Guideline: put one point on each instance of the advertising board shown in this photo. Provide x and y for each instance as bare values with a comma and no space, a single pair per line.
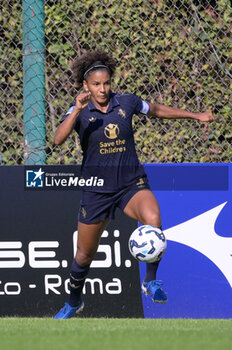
38,236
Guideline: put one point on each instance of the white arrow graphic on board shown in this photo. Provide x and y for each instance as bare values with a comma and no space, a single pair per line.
198,233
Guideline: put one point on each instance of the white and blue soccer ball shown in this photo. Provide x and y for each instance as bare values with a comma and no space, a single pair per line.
147,243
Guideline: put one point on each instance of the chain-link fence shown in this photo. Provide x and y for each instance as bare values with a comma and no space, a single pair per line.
176,53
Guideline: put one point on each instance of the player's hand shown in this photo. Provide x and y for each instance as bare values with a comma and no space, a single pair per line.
205,116
82,100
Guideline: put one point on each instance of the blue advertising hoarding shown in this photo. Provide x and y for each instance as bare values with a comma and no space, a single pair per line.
196,210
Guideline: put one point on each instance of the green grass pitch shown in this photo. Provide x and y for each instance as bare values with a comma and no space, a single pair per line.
110,334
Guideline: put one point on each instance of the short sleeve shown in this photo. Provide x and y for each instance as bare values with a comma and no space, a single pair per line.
141,106
71,108
145,107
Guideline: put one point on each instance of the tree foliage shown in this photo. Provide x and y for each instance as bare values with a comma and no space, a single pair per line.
171,52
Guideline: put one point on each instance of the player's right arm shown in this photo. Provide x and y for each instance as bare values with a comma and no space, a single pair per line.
67,126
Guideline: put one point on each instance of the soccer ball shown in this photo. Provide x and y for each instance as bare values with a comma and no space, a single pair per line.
147,243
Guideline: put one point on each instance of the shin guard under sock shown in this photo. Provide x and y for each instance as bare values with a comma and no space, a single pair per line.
151,269
78,274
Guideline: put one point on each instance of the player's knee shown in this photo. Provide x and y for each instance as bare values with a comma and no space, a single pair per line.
151,218
83,258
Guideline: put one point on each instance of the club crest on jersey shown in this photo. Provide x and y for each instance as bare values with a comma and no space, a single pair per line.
140,183
122,113
83,211
111,131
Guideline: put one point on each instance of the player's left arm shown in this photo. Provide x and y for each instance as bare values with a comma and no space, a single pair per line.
162,111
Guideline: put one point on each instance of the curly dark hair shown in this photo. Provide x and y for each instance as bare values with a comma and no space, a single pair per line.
82,63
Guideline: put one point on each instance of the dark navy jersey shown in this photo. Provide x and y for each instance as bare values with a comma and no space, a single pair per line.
107,142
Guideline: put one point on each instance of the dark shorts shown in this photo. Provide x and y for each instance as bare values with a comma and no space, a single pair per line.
97,206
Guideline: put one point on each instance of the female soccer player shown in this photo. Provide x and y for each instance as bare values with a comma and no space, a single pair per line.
103,120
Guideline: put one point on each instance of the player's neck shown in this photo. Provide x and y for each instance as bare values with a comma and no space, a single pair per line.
103,107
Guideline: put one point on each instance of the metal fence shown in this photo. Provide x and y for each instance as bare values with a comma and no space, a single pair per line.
176,53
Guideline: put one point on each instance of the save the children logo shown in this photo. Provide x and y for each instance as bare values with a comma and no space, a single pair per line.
35,178
111,131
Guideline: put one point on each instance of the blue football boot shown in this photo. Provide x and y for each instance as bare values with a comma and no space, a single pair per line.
153,289
69,311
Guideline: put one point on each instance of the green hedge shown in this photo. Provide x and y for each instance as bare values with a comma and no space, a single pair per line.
170,52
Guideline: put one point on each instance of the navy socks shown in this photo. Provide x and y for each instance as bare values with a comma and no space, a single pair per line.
78,274
151,271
